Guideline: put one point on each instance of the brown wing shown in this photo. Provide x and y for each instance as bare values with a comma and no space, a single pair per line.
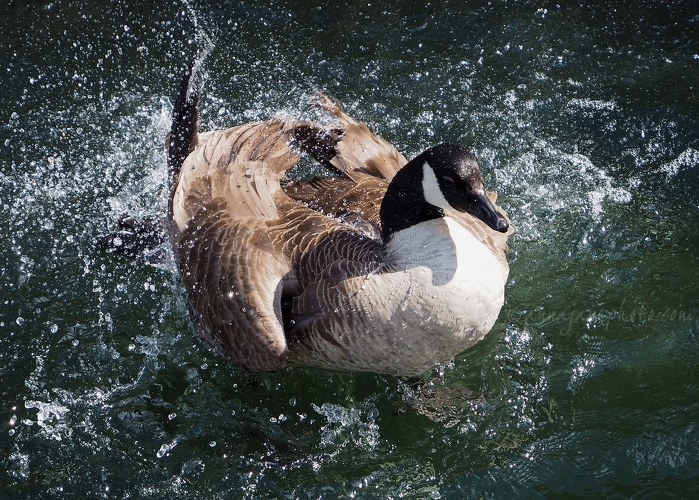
234,281
356,204
233,272
364,164
330,273
359,151
241,165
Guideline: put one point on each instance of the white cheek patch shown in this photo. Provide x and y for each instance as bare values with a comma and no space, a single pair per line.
430,189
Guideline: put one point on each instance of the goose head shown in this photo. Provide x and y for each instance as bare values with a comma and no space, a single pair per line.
445,178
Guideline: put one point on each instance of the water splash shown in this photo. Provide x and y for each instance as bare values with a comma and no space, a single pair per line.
689,158
166,448
353,425
51,419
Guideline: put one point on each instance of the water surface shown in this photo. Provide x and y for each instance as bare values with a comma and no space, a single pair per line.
585,120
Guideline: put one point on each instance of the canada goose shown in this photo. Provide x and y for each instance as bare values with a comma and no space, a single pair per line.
387,266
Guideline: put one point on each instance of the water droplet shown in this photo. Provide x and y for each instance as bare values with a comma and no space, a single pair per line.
53,328
166,448
20,320
172,416
212,444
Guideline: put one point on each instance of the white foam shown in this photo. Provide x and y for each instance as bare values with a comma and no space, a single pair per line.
689,158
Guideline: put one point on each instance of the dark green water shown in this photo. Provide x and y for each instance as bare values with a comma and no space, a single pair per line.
586,121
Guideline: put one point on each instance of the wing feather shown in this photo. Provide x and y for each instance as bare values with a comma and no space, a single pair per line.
359,151
233,272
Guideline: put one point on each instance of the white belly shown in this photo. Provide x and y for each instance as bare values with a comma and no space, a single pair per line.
446,295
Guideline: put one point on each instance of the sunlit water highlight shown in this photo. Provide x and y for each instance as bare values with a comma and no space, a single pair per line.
585,121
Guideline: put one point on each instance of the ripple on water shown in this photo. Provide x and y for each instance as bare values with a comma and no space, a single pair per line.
588,362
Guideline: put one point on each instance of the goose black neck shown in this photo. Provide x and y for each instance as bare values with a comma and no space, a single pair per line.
404,203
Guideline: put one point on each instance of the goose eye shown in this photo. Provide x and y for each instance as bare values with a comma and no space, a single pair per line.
448,181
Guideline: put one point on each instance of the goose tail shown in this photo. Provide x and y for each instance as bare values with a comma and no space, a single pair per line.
183,133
